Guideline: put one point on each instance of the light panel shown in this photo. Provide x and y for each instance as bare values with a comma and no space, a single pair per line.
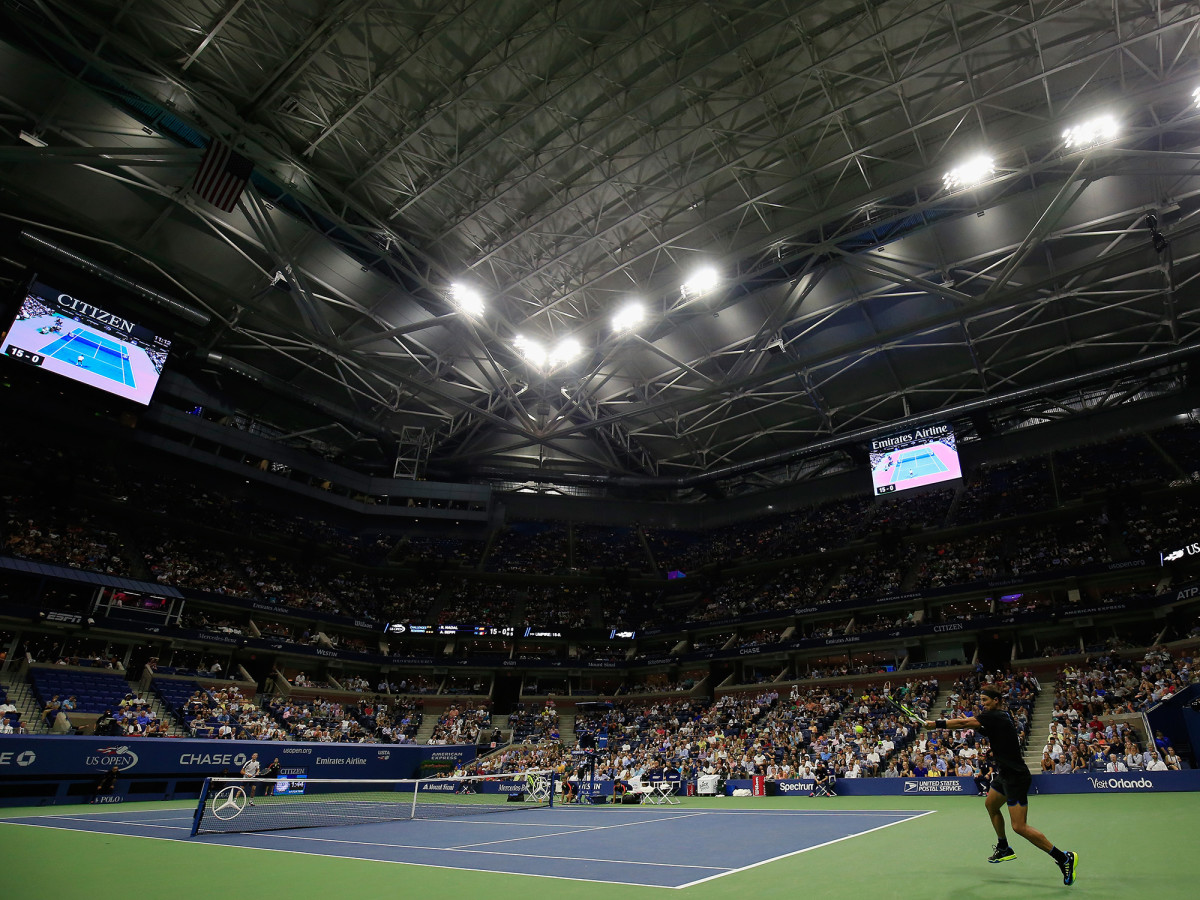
1090,133
703,280
974,171
536,354
628,318
466,299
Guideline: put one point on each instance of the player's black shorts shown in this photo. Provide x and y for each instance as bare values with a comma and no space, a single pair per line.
1014,787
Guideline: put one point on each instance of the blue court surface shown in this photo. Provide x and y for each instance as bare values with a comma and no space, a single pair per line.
673,848
100,355
916,465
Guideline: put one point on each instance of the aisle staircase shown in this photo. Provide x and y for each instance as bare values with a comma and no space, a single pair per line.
1039,727
163,713
425,730
566,730
20,695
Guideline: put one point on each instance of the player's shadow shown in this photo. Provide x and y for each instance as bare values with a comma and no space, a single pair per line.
1027,887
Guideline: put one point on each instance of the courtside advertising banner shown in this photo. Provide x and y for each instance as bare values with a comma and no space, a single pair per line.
1096,783
41,756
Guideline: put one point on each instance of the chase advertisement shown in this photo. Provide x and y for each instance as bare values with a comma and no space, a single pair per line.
43,756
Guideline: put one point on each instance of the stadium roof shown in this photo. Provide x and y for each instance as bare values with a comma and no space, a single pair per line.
561,160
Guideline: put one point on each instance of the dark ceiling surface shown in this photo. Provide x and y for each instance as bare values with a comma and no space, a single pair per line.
562,159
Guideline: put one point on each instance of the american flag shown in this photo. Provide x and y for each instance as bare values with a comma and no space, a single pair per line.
222,176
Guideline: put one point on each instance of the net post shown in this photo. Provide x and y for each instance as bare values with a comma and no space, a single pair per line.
200,806
412,813
553,778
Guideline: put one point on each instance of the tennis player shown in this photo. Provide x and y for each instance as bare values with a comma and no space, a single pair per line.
1011,781
251,770
269,776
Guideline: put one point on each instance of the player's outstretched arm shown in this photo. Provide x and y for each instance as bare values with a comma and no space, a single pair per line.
968,722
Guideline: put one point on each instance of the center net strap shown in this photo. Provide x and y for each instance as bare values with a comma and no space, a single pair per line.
236,805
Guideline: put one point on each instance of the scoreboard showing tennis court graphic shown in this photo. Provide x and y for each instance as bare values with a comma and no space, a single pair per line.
69,336
915,458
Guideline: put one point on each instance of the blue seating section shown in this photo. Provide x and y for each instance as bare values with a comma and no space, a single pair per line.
94,692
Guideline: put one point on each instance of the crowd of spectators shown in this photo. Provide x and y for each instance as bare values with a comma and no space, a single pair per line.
529,547
1113,464
479,603
1091,728
179,562
1003,490
534,723
367,721
568,606
462,725
63,537
609,547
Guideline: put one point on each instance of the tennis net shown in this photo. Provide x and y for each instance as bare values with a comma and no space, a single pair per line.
235,805
87,341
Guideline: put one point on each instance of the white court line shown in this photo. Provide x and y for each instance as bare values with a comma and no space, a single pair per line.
805,850
610,861
466,848
342,856
587,830
108,810
112,822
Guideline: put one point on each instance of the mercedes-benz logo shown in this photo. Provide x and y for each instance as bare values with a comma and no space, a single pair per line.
229,802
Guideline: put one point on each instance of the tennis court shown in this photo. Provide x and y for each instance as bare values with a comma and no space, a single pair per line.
100,355
916,465
718,849
623,845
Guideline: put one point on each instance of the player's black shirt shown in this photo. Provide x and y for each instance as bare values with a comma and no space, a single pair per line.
1000,729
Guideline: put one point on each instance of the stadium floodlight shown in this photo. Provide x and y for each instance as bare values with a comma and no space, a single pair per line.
466,300
974,171
1094,131
535,353
565,351
628,318
702,281
531,351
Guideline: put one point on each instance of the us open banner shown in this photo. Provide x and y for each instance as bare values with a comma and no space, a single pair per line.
68,756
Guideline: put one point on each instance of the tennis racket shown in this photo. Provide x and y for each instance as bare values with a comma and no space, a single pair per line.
896,701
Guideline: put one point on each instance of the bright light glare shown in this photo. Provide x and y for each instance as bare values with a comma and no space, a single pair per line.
466,300
1196,96
628,318
530,350
565,351
970,173
1090,133
702,281
533,352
